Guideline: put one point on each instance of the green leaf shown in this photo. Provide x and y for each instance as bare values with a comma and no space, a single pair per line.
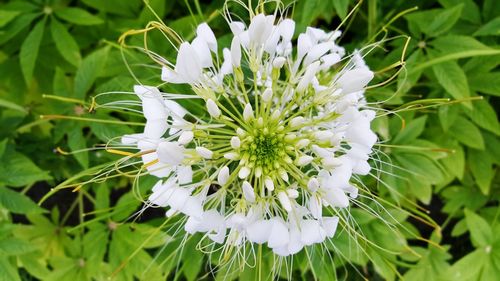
14,247
412,130
65,43
76,141
7,16
453,56
491,28
89,70
444,21
480,231
447,115
8,271
484,116
455,162
11,105
470,12
341,7
482,169
467,133
29,51
17,203
18,170
453,80
457,43
78,16
19,24
488,83
3,146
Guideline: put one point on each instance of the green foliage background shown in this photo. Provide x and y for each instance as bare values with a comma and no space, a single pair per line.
447,153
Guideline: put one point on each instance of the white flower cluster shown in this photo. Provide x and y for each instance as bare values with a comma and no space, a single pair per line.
272,159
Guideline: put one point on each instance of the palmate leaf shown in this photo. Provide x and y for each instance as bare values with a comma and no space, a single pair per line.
16,26
65,43
482,169
29,51
7,16
491,28
467,133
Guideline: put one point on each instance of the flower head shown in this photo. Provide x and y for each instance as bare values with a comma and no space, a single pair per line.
271,161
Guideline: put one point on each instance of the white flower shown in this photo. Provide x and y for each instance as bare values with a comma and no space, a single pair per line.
282,135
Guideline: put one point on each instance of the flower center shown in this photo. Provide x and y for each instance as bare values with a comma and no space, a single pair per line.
264,149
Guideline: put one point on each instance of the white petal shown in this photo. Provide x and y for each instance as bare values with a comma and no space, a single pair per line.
304,160
284,201
311,232
184,174
188,65
323,135
235,142
295,244
171,76
178,198
260,28
287,28
269,183
152,104
204,152
236,52
317,51
259,231
354,80
248,113
307,77
279,62
161,197
175,109
248,192
213,109
131,138
292,193
297,121
279,235
315,207
223,175
313,184
232,156
185,137
192,207
155,129
330,225
236,27
243,173
204,31
336,198
328,60
202,50
170,153
267,95
227,65
304,43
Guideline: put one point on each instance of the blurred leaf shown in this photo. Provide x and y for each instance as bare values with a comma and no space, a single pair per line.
29,51
65,43
78,16
88,72
76,142
470,12
18,170
484,116
412,130
341,7
444,21
488,83
491,28
11,105
8,271
7,16
479,229
17,203
16,27
453,80
457,43
14,247
467,133
447,115
481,166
